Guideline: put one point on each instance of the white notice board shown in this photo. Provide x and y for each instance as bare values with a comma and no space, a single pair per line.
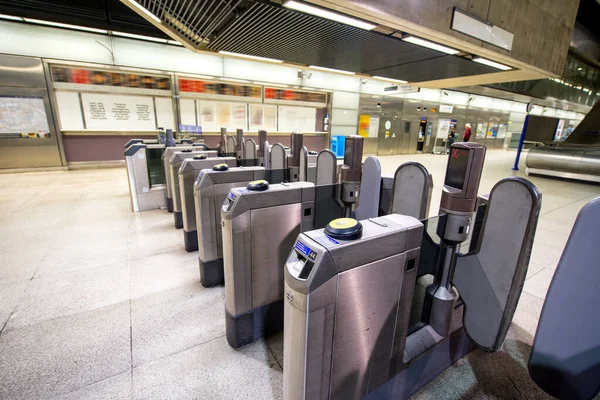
118,112
214,115
299,119
69,110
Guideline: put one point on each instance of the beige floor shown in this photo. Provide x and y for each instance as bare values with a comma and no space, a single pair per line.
97,302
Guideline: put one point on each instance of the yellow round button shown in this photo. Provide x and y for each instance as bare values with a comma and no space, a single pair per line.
343,223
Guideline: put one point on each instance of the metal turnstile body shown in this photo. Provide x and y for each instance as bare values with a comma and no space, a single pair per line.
173,166
147,184
188,173
342,307
358,323
258,229
210,191
168,153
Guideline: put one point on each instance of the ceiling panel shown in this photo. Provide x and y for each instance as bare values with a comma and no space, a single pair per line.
433,69
274,32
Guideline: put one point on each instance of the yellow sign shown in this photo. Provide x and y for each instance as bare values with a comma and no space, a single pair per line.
363,125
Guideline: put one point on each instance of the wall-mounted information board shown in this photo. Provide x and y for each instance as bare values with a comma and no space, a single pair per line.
297,119
263,116
295,97
212,115
118,112
87,76
219,90
23,116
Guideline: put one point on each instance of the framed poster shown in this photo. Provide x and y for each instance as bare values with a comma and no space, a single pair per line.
118,112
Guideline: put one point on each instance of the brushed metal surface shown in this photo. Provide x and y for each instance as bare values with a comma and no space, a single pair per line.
237,263
26,72
207,218
307,352
187,177
326,168
365,318
278,157
220,192
174,164
274,231
570,160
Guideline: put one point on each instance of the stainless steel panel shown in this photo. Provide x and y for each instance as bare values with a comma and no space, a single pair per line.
220,194
411,193
24,72
365,319
307,352
208,221
326,168
274,231
237,260
24,76
278,157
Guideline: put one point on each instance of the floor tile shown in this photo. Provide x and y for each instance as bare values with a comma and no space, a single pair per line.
162,272
212,370
11,295
72,292
176,320
538,284
60,355
114,388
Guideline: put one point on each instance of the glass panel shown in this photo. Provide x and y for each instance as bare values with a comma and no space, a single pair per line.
156,170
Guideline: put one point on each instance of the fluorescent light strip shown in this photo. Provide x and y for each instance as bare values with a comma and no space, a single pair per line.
339,71
141,37
11,17
229,53
269,84
383,78
68,26
323,13
491,63
143,10
175,42
429,45
234,80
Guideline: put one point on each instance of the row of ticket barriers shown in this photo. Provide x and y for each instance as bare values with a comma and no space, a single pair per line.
374,298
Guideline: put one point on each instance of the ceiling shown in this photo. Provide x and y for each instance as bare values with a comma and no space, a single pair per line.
99,14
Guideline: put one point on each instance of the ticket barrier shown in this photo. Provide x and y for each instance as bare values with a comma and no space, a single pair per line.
173,165
212,187
183,202
356,326
146,173
260,224
166,157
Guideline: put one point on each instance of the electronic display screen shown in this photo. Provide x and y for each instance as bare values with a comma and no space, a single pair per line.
457,168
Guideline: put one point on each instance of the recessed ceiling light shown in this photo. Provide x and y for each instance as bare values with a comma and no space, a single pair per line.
491,63
383,78
429,45
68,26
323,13
339,71
229,53
142,9
140,37
579,69
10,17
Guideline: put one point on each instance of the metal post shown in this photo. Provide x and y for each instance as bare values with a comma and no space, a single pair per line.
521,140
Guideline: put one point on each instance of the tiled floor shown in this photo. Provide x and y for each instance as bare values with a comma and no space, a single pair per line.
97,302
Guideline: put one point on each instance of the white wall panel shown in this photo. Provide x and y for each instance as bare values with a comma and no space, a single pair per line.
457,98
425,94
374,86
326,80
137,53
344,130
345,100
39,41
344,117
260,71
